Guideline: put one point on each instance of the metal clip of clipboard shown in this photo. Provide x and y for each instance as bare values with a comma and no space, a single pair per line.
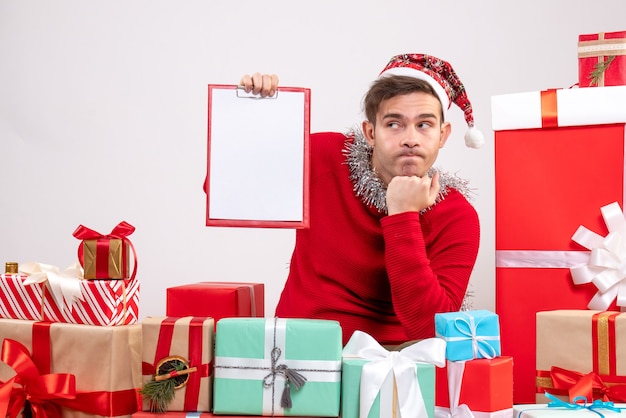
241,93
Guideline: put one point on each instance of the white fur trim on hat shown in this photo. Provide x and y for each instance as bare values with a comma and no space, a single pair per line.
412,72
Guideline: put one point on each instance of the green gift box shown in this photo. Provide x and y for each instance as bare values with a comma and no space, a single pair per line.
379,383
277,367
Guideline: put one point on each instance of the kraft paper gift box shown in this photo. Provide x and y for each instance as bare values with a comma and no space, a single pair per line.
469,334
581,352
542,142
379,383
263,365
602,59
216,299
179,344
106,256
43,292
484,386
102,364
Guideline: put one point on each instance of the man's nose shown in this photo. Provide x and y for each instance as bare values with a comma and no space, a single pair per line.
411,138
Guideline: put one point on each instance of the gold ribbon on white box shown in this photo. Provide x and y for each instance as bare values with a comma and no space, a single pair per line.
63,285
399,364
606,264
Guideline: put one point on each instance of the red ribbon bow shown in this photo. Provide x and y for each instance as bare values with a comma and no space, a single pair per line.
589,385
121,231
41,391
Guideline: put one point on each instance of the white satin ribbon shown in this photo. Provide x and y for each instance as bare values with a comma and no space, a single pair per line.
606,264
401,364
540,259
63,285
455,380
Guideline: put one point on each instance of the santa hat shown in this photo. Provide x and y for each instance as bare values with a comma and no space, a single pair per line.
440,75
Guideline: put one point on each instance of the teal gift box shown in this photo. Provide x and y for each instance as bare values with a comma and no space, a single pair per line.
379,383
469,334
277,367
351,381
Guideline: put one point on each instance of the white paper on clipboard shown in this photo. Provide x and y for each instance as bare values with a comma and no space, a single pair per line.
257,160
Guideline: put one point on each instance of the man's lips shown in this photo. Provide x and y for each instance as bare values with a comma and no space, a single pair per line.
409,155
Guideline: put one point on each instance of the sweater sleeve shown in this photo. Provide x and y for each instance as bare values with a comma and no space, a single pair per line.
431,275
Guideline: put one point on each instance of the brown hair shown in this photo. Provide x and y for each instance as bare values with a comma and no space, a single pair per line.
391,86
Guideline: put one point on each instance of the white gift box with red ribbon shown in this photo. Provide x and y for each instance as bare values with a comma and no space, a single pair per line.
559,107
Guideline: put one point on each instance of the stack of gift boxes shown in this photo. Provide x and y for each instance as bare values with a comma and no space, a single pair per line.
561,235
215,354
71,344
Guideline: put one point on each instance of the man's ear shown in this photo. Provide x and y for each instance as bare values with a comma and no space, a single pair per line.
446,130
368,131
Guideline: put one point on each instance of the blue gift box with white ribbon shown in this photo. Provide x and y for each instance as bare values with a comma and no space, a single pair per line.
469,334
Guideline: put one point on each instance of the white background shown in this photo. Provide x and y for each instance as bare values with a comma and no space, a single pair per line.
103,111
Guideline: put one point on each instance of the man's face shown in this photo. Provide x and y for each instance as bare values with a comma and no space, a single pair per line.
407,135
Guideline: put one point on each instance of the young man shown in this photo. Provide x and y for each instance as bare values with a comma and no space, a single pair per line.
392,241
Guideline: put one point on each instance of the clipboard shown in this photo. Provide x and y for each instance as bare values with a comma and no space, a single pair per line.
258,158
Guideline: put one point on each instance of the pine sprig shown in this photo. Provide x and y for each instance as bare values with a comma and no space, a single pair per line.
161,392
599,69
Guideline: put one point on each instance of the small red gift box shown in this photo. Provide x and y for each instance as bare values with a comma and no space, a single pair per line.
106,256
602,59
542,142
216,300
487,385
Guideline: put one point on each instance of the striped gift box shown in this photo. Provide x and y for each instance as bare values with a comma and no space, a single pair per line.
101,302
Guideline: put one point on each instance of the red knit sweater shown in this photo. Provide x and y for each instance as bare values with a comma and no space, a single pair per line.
384,275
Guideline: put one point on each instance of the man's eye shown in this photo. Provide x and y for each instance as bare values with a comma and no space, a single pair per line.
393,125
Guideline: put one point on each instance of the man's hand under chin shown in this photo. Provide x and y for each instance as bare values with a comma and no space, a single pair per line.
411,193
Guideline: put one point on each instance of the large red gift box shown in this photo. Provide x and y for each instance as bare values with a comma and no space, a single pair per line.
559,157
102,302
602,59
216,300
169,342
487,386
83,370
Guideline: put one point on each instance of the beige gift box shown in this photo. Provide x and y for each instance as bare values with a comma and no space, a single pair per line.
105,361
579,342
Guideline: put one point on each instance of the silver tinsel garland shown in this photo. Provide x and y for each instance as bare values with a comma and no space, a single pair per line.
370,188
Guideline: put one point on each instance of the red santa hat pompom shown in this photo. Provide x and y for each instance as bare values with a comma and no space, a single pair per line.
444,81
